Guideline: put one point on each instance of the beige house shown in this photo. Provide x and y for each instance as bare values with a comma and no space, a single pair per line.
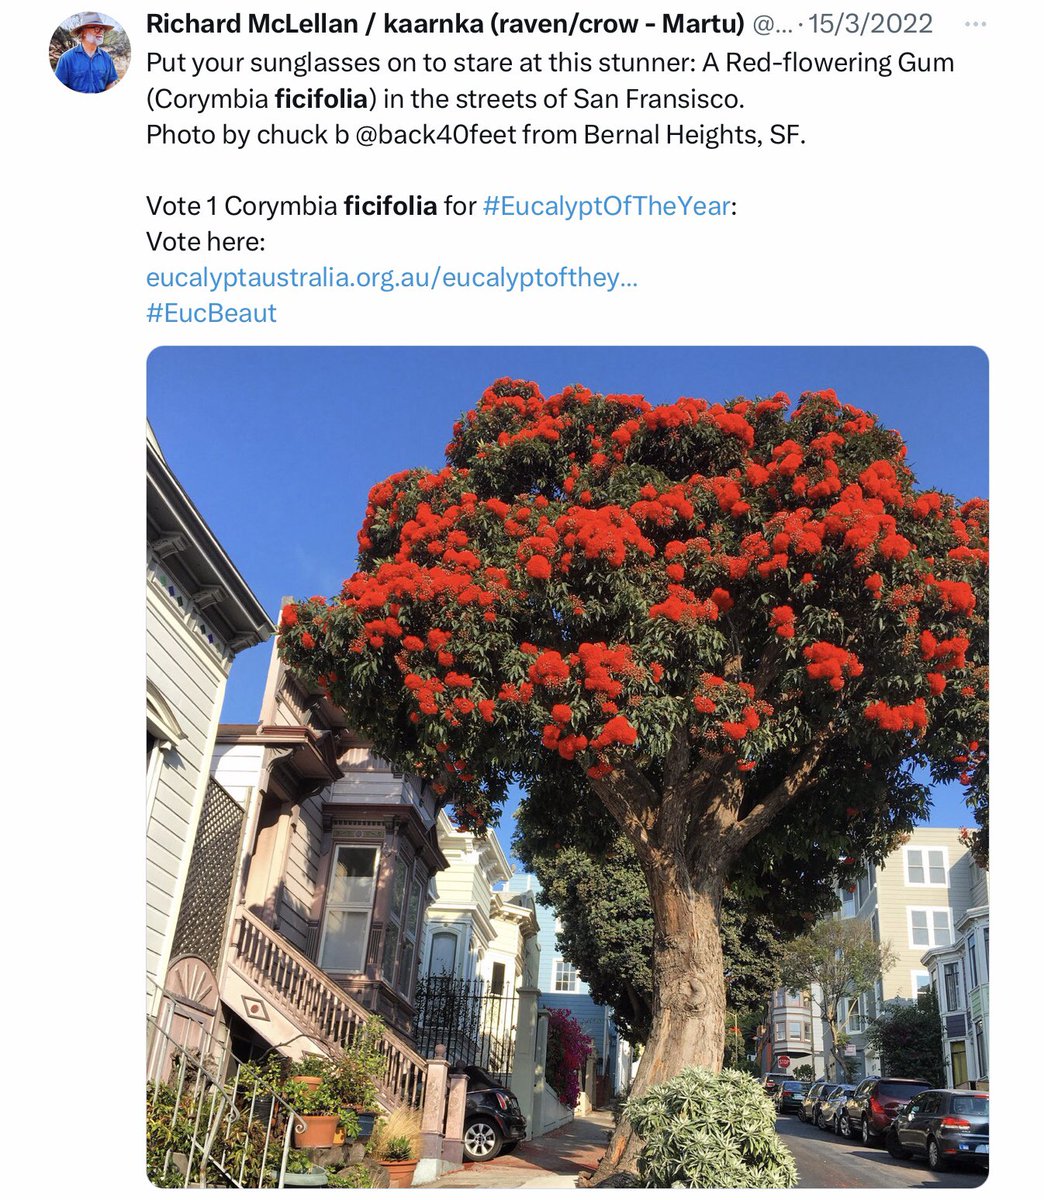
199,614
916,901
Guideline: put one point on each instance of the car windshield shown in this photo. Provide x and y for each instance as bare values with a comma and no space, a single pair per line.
793,1085
971,1106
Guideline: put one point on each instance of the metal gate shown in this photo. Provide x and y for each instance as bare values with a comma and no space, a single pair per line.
475,1024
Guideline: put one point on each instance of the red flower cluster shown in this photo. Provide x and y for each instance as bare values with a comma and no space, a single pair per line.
902,717
781,621
832,664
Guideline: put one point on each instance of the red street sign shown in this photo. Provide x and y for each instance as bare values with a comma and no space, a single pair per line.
784,1061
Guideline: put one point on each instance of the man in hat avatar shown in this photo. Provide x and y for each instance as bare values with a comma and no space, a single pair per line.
87,67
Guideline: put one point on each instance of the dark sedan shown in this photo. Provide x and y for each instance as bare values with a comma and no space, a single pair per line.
790,1095
493,1120
944,1125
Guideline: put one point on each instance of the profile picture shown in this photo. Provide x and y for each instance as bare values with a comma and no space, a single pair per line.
90,52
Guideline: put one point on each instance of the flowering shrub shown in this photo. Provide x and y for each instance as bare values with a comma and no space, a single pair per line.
568,1049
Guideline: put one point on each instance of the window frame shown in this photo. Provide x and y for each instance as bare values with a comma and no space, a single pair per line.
557,962
926,866
358,907
930,911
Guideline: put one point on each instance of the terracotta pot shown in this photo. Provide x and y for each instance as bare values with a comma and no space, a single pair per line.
312,1131
400,1171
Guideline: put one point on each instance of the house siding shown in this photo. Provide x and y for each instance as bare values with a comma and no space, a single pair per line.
191,677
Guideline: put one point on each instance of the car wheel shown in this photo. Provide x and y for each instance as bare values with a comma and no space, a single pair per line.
482,1140
894,1146
935,1158
868,1136
801,1115
820,1123
844,1126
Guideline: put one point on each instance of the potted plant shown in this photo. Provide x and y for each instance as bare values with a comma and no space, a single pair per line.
352,1074
400,1161
395,1144
320,1114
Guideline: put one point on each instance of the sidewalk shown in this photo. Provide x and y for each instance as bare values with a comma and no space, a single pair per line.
551,1161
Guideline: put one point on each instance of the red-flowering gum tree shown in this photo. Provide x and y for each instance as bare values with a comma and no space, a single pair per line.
733,627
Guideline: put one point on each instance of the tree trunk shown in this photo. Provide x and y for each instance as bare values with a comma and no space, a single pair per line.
688,992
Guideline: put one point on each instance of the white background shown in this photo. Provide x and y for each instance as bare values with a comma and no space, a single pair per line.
909,217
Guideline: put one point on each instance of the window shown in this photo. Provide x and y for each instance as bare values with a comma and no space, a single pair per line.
959,1063
806,1031
566,978
349,901
973,960
926,866
920,981
496,980
781,1031
929,926
980,1049
794,1030
401,929
875,928
952,986
443,959
793,998
986,948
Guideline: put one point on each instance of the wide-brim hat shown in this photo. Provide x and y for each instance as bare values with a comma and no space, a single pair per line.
91,18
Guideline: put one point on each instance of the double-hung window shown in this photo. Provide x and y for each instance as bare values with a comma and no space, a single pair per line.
929,927
402,927
349,905
926,866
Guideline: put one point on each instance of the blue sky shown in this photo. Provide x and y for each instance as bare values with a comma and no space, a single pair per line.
279,446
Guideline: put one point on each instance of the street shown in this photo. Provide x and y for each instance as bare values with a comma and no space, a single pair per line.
825,1160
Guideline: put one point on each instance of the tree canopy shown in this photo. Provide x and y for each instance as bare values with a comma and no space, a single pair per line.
589,575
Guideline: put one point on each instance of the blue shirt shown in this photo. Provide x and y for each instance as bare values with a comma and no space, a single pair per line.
84,72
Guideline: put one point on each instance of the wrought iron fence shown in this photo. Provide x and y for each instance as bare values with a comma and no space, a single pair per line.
476,1024
210,1121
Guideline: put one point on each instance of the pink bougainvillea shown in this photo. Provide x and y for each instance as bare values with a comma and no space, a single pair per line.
568,1049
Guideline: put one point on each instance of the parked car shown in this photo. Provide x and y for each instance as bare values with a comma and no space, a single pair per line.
772,1080
832,1104
870,1109
493,1120
809,1110
945,1125
789,1095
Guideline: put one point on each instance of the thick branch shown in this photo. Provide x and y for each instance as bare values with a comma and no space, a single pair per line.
764,813
631,801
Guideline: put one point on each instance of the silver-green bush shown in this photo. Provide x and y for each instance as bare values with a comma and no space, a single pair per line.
709,1130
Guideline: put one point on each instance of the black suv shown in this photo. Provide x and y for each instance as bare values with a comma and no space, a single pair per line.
868,1112
493,1120
944,1125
